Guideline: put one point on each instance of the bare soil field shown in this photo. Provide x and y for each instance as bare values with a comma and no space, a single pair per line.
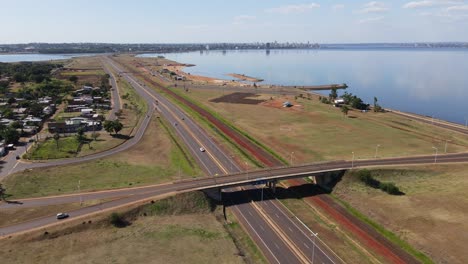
430,216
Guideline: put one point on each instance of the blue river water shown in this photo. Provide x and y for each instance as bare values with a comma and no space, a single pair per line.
432,82
38,57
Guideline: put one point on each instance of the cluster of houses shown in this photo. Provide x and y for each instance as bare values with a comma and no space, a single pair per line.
28,122
73,124
85,102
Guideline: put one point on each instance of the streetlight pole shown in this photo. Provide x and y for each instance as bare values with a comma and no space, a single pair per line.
232,169
446,142
79,191
313,247
247,165
376,149
436,151
291,158
352,161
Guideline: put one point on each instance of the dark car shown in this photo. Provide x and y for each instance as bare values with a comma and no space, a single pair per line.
17,157
62,215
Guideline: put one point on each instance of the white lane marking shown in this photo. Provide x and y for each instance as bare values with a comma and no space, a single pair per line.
250,213
277,216
262,228
13,168
306,246
276,245
253,229
301,230
290,229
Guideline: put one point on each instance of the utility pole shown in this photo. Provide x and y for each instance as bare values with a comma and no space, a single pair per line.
291,158
376,149
79,191
435,157
446,142
313,248
352,161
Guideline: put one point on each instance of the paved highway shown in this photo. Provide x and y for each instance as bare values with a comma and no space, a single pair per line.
251,214
276,247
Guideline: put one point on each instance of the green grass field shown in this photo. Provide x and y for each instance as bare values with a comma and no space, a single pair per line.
67,148
317,132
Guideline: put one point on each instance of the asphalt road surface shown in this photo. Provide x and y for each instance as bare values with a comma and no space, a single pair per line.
281,239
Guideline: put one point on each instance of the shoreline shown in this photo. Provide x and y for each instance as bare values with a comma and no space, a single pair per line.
244,77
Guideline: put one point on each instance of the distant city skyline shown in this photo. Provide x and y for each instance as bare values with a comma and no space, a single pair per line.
320,21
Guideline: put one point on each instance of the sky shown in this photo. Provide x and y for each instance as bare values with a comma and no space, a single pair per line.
205,21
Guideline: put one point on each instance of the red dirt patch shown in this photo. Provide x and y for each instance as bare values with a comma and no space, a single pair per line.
279,103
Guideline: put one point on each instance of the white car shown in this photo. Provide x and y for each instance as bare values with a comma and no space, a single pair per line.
202,149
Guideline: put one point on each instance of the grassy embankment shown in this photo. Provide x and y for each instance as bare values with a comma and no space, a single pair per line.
181,229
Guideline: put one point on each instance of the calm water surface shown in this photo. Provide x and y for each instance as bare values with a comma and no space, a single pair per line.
431,82
37,57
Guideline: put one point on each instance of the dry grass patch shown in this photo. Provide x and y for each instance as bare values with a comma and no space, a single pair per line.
430,216
184,237
316,131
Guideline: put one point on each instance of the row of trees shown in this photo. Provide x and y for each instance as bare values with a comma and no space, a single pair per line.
350,100
28,71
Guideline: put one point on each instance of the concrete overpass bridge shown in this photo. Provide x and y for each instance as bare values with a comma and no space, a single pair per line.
318,172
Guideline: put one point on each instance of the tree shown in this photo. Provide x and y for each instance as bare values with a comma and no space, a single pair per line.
10,135
108,126
113,126
56,138
345,110
73,79
377,107
117,126
80,136
2,192
36,109
333,94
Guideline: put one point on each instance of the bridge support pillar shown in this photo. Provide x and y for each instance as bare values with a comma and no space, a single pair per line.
272,186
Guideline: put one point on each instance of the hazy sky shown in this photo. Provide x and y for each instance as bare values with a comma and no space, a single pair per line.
146,21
